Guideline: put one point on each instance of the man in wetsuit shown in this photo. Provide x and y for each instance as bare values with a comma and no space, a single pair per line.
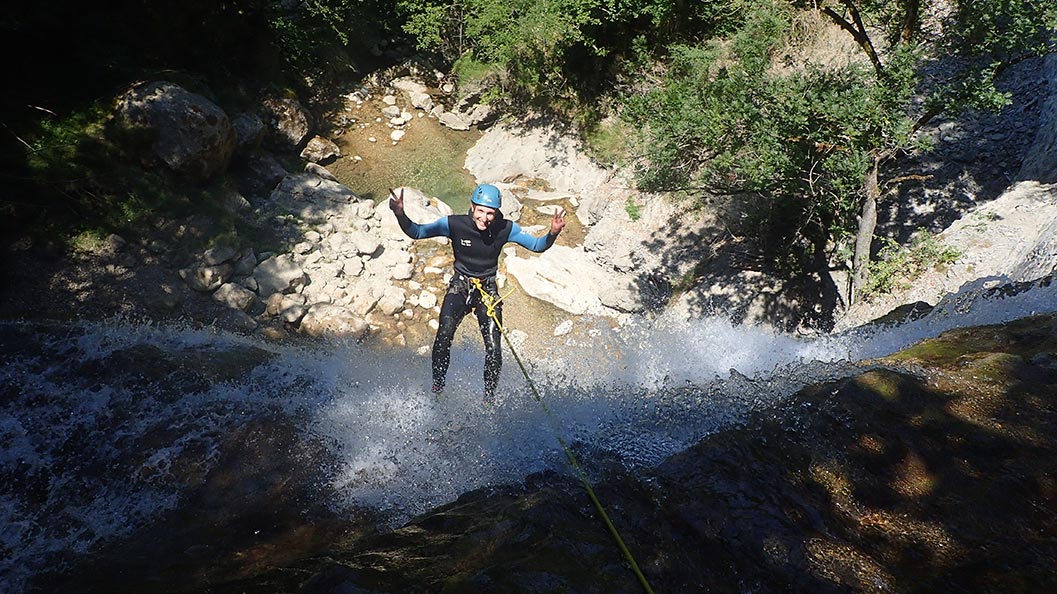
476,240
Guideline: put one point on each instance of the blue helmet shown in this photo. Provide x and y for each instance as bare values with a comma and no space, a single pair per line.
486,195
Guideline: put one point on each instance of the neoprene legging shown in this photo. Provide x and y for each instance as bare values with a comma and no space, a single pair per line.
458,302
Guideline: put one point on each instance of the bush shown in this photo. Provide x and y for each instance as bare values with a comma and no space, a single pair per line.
897,266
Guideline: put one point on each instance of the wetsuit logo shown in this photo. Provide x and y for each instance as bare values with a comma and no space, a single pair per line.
466,242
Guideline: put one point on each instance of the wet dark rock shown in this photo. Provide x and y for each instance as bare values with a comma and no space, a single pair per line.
904,313
936,480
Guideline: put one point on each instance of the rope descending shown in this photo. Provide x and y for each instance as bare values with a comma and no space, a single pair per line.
490,303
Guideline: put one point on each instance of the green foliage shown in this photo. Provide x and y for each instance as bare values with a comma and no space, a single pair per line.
472,74
549,48
307,34
733,116
725,122
607,140
633,208
897,265
86,179
984,37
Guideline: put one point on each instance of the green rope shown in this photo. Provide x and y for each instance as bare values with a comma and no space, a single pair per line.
491,304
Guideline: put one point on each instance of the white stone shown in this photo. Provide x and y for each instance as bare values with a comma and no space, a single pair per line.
563,328
325,319
402,271
570,279
392,301
353,266
279,274
234,296
427,300
517,338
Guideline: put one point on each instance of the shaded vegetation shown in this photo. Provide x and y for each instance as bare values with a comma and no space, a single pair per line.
65,169
720,97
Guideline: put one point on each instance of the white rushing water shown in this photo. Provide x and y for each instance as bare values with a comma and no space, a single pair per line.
92,447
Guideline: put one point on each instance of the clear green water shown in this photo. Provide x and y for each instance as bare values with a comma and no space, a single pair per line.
429,158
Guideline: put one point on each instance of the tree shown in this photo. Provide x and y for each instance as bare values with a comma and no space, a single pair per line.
738,114
550,49
727,121
980,39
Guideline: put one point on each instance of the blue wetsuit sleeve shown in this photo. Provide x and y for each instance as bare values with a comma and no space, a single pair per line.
413,230
536,244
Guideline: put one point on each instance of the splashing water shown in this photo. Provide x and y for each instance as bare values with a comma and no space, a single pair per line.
105,425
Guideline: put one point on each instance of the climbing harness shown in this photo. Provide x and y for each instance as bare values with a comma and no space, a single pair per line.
490,303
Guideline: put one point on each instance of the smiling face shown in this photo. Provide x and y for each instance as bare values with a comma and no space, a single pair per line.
482,216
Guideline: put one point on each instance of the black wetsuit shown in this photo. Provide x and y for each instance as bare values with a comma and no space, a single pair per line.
476,257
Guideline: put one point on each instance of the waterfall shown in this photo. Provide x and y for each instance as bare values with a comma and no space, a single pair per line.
105,425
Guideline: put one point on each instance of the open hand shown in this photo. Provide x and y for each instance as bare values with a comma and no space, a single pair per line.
558,221
396,203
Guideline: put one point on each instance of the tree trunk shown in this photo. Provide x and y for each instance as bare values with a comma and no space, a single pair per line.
864,237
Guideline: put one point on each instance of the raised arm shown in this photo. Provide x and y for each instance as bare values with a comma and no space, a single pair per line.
539,244
410,228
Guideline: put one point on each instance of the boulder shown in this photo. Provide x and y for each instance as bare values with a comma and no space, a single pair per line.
310,197
287,123
421,101
364,244
205,279
235,296
192,136
244,265
320,150
455,121
277,303
409,85
427,300
279,274
219,255
364,302
249,133
262,172
319,170
571,279
549,154
293,314
402,271
392,300
325,319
